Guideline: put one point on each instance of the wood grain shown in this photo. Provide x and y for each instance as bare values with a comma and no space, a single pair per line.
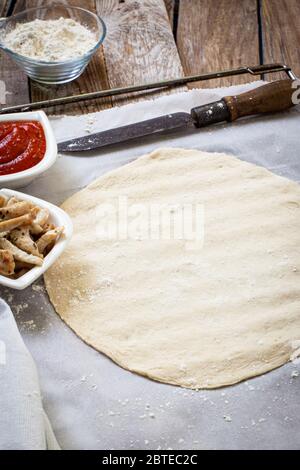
13,83
170,10
218,35
4,6
94,78
281,32
271,98
139,47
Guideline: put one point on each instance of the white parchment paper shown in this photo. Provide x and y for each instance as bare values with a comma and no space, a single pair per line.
93,403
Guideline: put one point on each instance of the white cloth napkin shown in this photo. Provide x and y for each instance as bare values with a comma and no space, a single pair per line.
23,422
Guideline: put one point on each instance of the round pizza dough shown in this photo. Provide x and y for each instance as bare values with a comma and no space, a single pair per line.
198,315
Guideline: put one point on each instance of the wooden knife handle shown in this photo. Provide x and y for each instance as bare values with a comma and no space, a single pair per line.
270,98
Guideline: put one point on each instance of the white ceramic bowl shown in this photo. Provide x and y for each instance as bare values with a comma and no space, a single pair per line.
57,217
22,178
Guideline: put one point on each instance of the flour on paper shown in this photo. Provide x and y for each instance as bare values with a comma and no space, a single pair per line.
201,318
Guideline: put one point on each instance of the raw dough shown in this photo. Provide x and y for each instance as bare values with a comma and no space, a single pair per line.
199,318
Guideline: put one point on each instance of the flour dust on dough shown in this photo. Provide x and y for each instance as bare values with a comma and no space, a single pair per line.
198,318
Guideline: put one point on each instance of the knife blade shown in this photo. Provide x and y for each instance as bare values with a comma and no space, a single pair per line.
209,114
126,133
273,97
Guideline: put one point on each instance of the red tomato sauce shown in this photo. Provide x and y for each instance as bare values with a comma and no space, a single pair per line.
22,145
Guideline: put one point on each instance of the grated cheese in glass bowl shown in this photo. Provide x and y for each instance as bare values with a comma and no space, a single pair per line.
52,44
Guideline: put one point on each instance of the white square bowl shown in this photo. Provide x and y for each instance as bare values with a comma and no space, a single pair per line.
57,217
22,178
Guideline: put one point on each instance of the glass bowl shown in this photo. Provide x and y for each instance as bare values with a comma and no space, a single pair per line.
54,72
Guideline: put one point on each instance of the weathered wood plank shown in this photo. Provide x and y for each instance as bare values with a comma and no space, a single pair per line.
219,35
13,83
94,78
4,7
281,32
139,47
170,10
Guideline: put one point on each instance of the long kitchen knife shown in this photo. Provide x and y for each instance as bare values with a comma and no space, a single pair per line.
273,97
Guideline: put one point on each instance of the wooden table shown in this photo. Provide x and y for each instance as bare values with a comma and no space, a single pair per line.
149,40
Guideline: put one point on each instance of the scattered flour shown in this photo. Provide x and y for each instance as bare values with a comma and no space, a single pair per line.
295,356
90,121
227,418
38,288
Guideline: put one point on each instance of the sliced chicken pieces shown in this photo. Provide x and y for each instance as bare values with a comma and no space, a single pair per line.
7,263
22,239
